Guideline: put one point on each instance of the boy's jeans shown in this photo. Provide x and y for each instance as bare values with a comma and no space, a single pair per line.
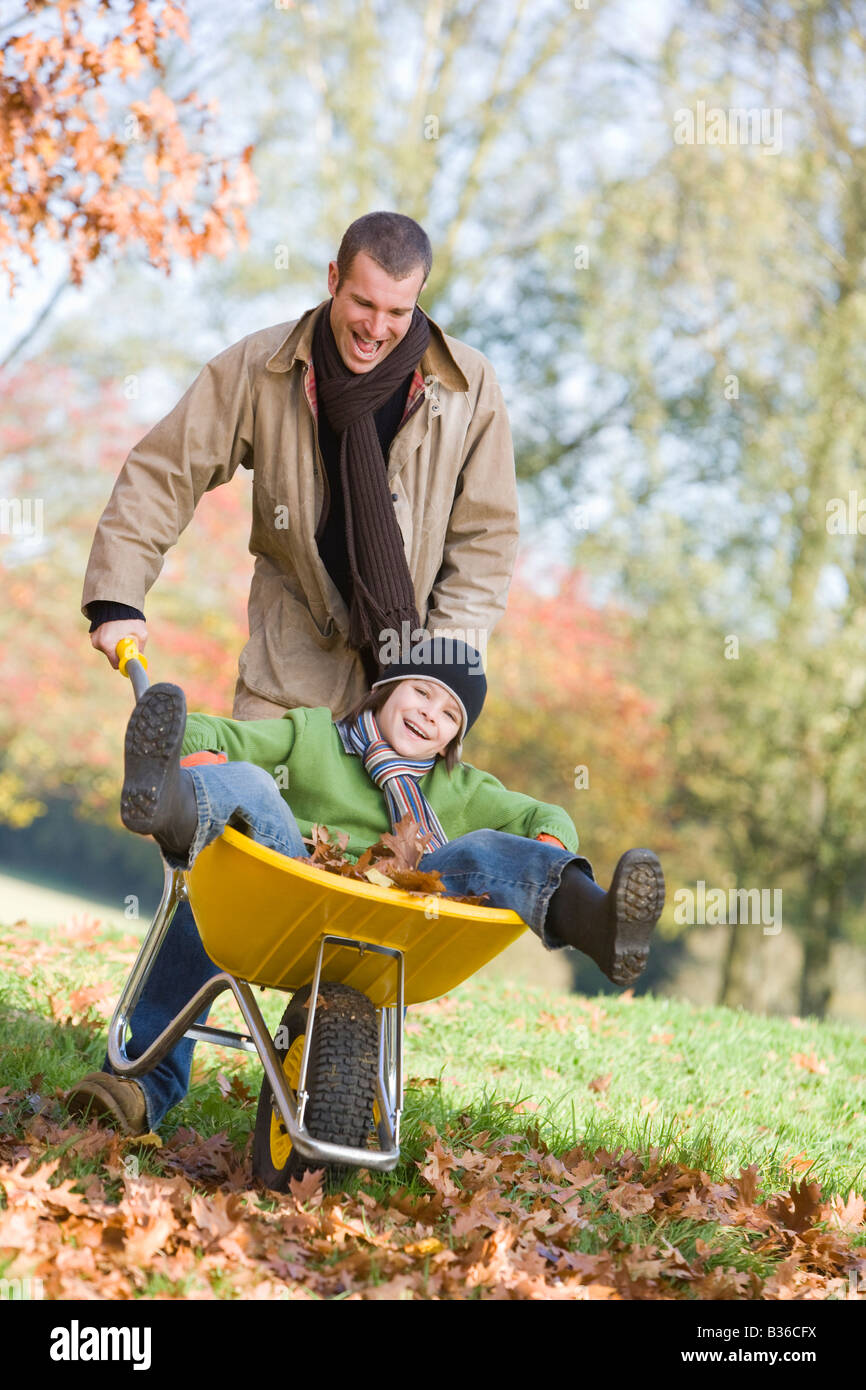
516,872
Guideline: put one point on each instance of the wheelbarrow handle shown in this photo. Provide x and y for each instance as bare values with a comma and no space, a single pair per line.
133,664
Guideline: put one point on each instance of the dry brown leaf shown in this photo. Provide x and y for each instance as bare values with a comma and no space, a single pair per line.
143,1141
405,844
600,1083
824,1251
629,1199
779,1285
747,1185
218,1215
851,1215
559,1023
810,1062
798,1163
308,1188
143,1242
420,1249
436,1172
694,1208
376,876
236,1090
723,1284
799,1209
83,999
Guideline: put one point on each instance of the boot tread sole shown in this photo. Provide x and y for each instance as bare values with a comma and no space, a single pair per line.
152,747
638,894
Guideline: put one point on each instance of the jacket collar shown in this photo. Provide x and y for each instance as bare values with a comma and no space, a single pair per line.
341,726
297,346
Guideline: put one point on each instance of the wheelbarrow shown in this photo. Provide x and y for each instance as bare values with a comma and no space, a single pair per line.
352,955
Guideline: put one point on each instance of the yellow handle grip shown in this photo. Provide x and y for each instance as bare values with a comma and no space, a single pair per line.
127,650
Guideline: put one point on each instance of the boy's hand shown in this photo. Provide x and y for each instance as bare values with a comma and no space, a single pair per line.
106,637
550,839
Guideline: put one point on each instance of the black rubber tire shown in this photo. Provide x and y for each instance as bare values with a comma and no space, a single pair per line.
341,1079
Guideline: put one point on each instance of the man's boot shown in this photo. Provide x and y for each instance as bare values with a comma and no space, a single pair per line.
612,928
158,796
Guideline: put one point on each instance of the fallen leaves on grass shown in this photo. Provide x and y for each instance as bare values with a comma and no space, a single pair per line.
496,1219
84,1008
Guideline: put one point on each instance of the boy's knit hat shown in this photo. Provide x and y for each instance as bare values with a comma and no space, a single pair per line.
450,663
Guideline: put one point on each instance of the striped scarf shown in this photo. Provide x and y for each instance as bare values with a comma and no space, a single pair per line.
397,776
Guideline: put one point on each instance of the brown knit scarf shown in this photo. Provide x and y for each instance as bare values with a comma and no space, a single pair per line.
382,592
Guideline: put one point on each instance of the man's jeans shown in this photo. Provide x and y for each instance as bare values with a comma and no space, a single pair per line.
516,872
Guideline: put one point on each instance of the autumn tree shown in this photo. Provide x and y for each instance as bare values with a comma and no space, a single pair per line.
62,714
95,154
728,290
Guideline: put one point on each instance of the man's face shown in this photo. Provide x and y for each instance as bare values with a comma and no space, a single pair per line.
371,312
419,718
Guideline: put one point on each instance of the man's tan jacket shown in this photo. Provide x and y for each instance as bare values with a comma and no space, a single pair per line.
450,471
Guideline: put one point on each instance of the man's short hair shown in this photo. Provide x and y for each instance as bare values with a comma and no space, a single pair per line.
393,241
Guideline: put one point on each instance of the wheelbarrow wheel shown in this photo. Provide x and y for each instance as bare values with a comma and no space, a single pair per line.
341,1081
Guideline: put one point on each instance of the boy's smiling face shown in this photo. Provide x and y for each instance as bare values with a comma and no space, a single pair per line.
419,718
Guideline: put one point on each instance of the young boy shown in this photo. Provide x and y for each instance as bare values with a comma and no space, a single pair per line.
399,750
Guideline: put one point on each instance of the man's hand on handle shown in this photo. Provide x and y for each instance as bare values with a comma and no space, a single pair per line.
106,637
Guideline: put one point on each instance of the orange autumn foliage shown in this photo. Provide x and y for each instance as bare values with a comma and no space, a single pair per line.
85,170
62,709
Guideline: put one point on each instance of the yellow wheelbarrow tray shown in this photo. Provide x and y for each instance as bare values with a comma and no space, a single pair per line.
270,921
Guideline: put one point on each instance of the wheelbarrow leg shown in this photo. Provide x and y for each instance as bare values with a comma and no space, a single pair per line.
171,967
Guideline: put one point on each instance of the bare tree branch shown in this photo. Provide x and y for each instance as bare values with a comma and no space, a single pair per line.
37,323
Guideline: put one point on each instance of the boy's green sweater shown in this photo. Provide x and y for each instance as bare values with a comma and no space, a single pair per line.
325,785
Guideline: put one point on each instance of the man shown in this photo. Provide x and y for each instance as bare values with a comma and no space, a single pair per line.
384,504
384,493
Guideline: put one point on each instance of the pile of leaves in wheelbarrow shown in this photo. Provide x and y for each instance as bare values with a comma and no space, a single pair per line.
392,862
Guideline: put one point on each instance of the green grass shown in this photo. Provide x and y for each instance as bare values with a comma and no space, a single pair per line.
717,1089
712,1088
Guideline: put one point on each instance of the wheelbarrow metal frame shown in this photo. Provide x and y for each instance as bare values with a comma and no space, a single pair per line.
291,1107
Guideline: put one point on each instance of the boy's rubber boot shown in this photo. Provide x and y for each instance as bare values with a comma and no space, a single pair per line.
119,1098
158,796
612,928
